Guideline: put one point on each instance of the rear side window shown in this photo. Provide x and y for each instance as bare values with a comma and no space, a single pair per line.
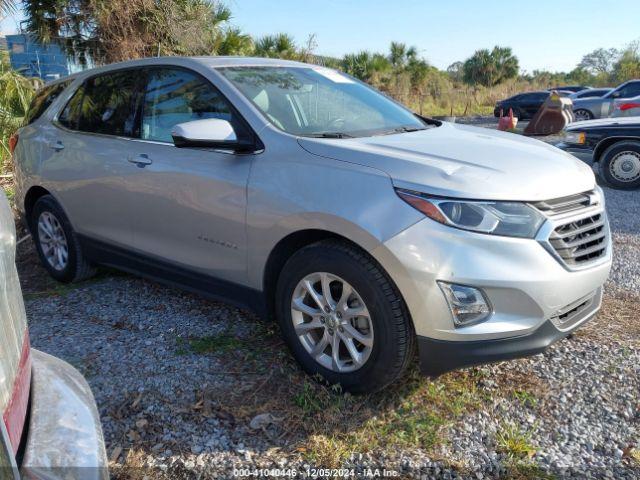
174,96
539,97
106,104
43,99
630,90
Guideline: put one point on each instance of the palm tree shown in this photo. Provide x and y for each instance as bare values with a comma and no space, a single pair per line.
7,7
280,45
16,93
365,65
233,42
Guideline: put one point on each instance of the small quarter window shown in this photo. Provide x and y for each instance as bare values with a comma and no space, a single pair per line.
43,100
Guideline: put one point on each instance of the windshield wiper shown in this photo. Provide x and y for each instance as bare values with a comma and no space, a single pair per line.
329,135
401,129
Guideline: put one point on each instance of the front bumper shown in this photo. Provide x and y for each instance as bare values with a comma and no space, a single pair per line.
65,437
438,356
526,284
584,154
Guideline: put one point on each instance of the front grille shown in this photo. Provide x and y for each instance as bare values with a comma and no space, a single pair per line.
559,206
582,240
579,228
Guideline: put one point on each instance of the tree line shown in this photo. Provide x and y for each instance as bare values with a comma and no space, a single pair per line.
105,31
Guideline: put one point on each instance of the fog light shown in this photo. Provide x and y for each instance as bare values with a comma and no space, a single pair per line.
467,304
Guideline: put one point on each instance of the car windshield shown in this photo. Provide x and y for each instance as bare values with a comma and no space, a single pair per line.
320,102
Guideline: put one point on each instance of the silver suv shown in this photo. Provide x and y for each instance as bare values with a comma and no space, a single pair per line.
295,190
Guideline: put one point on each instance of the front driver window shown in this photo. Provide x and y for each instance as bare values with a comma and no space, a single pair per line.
176,96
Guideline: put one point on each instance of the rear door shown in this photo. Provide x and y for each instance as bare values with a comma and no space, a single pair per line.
15,367
628,90
85,158
190,205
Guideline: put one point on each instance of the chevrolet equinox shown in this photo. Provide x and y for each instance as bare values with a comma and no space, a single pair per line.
295,190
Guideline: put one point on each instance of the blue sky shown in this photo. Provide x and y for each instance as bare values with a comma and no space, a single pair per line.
544,34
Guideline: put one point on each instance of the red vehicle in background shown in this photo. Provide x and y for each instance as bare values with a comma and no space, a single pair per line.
50,426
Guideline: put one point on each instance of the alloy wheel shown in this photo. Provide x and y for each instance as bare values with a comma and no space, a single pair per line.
332,322
53,241
582,115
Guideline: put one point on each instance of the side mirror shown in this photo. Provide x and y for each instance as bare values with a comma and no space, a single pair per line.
615,95
207,133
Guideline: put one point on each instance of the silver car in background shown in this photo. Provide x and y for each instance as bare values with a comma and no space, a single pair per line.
590,92
300,192
602,107
51,425
626,107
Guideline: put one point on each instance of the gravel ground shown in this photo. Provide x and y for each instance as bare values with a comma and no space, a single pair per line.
189,388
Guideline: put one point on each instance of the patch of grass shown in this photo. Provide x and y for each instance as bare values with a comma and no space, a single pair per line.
307,400
411,415
221,343
526,398
514,442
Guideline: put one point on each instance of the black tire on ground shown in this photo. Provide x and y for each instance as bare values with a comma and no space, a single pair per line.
607,163
78,268
583,113
394,336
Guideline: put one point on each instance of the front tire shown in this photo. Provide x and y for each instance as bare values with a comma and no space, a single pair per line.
57,243
620,165
343,318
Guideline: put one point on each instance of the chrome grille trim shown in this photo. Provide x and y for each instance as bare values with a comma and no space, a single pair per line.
562,205
576,232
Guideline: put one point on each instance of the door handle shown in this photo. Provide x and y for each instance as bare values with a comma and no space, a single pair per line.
141,160
57,146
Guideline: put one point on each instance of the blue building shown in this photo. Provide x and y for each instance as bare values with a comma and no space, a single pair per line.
34,59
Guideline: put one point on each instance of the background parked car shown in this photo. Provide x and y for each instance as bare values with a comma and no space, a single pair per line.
525,105
626,107
590,108
51,426
612,143
570,88
590,92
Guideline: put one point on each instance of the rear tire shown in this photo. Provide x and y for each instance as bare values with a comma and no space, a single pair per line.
582,115
620,165
56,242
383,325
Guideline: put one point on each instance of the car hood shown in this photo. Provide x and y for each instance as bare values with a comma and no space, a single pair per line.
466,162
604,122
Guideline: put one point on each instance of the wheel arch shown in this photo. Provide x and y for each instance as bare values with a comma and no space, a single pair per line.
606,143
292,243
31,197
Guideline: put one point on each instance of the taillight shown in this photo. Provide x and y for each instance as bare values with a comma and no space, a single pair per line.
13,142
15,413
628,106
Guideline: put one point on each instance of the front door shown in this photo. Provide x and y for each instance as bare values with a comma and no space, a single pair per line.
190,204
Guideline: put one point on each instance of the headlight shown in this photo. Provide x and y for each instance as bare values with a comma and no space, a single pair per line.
511,219
578,138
